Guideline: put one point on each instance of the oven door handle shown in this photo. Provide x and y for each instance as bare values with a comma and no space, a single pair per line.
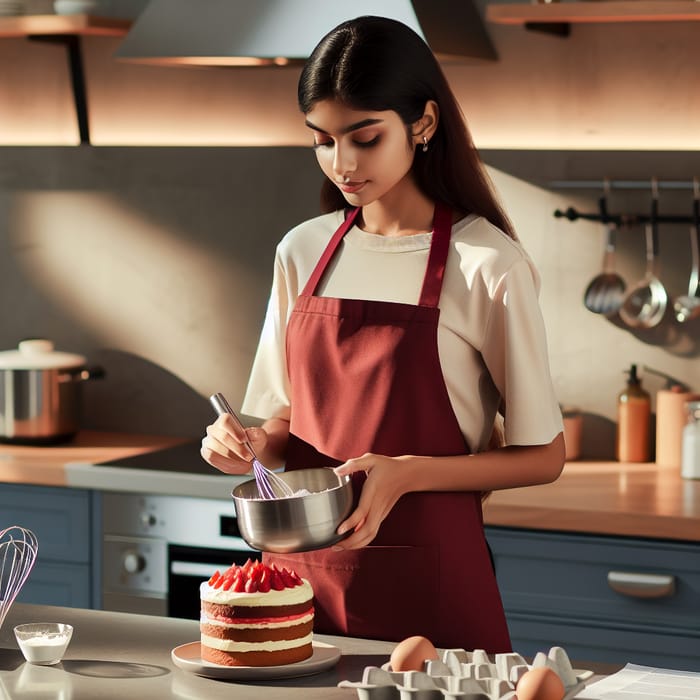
188,568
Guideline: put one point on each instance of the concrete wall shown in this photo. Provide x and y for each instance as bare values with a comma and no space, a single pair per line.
154,263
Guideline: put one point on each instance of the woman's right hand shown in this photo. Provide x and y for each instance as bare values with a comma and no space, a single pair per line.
223,446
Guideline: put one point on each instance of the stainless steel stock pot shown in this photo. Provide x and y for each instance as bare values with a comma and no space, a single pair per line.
41,393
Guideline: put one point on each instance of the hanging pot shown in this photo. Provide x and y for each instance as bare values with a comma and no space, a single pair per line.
41,393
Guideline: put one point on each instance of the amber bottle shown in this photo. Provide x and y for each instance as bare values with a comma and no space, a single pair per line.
633,421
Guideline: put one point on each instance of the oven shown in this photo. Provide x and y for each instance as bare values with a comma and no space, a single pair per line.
156,548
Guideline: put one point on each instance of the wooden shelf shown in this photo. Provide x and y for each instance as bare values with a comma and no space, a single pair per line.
67,31
78,25
594,12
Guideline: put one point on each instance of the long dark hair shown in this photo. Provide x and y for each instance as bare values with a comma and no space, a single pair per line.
378,64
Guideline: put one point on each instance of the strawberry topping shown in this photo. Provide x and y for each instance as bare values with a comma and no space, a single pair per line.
254,576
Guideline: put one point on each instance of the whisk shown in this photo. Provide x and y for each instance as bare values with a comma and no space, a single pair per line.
269,484
18,548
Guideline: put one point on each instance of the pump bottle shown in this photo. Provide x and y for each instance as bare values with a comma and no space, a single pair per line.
633,421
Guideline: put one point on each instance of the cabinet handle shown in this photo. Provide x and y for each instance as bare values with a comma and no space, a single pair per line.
642,585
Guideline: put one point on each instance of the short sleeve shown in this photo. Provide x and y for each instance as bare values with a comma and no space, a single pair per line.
515,353
267,394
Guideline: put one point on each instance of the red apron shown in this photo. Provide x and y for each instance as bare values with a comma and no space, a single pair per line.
365,376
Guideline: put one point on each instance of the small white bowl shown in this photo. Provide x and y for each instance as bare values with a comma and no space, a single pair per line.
43,643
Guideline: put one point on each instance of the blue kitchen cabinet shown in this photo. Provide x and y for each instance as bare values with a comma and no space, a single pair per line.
66,524
588,594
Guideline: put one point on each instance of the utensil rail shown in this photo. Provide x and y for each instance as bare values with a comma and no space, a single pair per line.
622,220
628,220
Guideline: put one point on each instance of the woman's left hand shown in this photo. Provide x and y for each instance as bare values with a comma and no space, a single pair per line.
386,482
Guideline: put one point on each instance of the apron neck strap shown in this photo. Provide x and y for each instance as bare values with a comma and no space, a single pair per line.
437,259
328,253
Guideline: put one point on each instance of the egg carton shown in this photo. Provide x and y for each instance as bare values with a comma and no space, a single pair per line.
465,675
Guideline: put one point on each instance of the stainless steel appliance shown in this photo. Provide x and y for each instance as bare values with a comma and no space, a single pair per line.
157,549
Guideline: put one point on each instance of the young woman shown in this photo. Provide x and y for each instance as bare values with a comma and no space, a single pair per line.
402,323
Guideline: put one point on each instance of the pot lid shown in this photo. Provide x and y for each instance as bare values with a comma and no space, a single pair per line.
39,354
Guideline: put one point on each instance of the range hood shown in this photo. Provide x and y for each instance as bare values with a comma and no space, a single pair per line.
283,32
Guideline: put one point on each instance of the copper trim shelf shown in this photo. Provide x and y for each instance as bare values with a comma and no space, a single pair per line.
594,12
80,25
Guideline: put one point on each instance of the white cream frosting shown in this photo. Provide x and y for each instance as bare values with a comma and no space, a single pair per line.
228,645
287,596
259,625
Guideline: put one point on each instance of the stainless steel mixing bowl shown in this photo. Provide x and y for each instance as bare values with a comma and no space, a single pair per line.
297,523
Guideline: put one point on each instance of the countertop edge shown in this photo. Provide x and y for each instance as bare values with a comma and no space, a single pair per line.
615,524
86,476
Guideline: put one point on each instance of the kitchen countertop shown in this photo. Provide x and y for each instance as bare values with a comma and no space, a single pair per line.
121,655
611,498
73,465
46,465
608,498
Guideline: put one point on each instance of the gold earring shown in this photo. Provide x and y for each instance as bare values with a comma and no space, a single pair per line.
425,144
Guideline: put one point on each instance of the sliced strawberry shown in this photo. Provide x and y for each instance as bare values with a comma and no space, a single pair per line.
288,578
239,584
256,573
251,586
276,580
248,565
264,583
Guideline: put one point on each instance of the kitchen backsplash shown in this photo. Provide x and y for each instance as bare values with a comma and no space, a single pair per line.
156,263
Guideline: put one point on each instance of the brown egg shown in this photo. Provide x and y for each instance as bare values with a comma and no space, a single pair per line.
410,654
540,684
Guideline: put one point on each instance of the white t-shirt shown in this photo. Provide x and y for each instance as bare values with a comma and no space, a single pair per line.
491,337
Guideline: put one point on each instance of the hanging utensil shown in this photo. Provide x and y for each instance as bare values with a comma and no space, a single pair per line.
645,304
269,484
687,307
18,548
606,291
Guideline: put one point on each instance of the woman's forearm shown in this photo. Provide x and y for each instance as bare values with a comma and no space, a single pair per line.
502,468
389,478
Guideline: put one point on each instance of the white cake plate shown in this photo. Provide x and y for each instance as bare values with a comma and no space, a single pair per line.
189,658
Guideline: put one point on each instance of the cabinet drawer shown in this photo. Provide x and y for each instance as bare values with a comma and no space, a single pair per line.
60,518
605,644
554,574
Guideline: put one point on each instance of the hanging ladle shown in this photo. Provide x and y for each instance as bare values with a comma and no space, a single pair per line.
645,304
606,291
687,307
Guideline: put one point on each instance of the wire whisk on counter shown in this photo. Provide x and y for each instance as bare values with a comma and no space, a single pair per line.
18,549
269,484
